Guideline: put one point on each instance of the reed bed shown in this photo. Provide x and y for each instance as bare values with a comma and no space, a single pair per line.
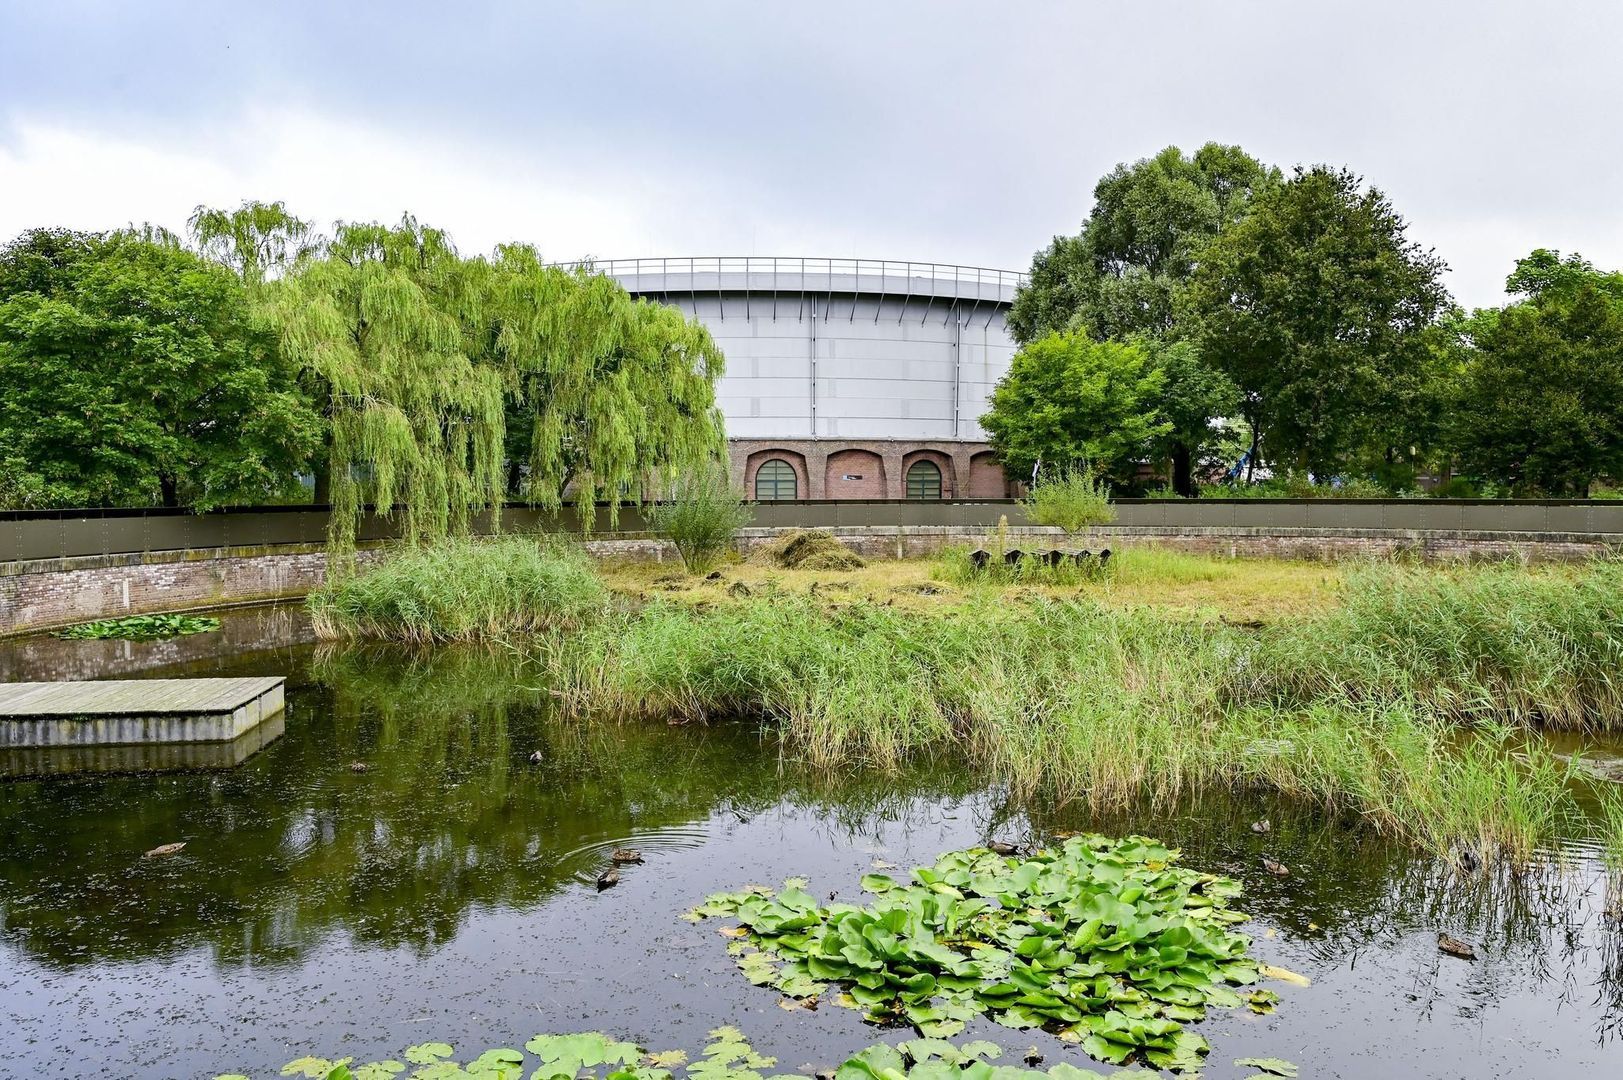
1360,709
1482,645
462,590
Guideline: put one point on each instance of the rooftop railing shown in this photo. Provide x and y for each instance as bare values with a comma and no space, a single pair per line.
759,272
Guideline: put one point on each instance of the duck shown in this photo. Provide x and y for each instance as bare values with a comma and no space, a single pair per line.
1453,946
625,855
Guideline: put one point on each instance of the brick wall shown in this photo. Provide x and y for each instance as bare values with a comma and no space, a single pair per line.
47,593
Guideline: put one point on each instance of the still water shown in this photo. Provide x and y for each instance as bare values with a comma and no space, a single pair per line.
448,891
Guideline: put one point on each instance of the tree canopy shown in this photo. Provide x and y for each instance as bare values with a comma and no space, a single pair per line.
1071,402
135,372
1538,405
1150,221
1316,305
1123,276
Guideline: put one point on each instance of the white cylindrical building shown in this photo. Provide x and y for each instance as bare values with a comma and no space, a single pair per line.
848,378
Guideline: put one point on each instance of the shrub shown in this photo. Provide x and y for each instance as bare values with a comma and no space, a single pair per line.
462,590
702,515
1072,499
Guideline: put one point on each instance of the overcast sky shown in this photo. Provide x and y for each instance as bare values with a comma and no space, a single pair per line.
958,132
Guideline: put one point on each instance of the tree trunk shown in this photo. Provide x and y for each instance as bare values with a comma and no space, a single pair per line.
1251,458
1183,470
322,471
513,477
169,489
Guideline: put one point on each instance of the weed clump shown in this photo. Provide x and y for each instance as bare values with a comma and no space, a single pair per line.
807,549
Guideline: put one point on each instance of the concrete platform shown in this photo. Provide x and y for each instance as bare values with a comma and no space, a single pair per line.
134,712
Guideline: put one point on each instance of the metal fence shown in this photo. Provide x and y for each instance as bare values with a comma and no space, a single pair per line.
56,534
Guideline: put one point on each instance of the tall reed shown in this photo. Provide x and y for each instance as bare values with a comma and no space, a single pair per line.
462,590
1478,645
1079,701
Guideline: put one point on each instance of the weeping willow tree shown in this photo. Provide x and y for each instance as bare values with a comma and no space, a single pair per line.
608,393
395,325
435,368
257,239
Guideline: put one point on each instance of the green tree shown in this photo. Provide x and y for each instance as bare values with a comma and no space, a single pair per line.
257,240
447,380
1123,273
605,391
1316,305
133,371
1123,277
392,325
1068,400
1539,401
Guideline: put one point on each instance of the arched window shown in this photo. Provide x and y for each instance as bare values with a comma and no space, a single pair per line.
924,480
775,479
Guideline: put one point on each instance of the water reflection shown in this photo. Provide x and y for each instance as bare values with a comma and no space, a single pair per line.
451,880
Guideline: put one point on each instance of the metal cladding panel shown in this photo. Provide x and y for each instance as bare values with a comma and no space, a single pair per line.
851,349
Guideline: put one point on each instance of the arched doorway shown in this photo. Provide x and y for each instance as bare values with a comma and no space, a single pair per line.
924,480
775,480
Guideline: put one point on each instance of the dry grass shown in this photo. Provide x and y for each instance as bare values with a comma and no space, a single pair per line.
1240,590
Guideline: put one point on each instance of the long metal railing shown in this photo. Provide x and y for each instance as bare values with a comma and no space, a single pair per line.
790,273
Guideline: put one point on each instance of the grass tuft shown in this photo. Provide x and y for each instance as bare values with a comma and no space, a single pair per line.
462,590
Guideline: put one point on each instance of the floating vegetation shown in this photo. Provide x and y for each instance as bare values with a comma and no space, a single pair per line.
729,1056
140,627
1106,943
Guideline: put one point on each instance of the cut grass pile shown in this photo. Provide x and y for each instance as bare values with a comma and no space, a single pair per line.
462,590
806,549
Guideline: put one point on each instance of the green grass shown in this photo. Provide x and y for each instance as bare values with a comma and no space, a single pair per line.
462,590
1479,645
1360,709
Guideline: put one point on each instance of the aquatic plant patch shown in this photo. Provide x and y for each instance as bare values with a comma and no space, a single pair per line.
1106,943
141,627
594,1056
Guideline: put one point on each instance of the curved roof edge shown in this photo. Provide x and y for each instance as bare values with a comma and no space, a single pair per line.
768,274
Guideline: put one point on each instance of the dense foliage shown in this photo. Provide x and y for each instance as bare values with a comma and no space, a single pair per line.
133,372
1124,276
1299,331
381,362
1316,304
1538,403
1071,401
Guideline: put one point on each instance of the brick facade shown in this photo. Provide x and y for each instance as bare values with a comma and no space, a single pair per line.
871,468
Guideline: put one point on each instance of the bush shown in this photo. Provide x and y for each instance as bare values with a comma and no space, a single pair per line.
462,590
1073,499
701,517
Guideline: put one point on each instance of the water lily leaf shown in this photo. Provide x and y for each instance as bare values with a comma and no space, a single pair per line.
309,1066
666,1059
878,883
427,1053
379,1070
1272,1066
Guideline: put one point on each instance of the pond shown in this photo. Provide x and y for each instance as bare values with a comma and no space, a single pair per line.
449,891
